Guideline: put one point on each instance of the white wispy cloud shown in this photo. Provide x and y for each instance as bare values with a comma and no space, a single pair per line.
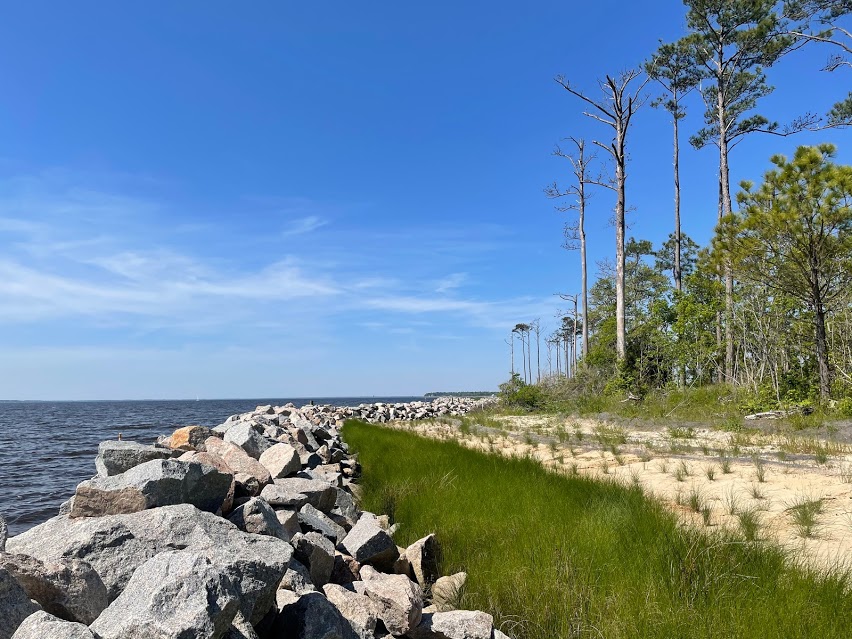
72,252
450,282
304,225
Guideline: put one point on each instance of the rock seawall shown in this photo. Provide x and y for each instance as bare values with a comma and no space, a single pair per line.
249,530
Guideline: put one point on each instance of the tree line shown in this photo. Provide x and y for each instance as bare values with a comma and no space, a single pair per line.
767,304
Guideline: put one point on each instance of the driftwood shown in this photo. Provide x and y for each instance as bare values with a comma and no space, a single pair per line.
771,414
631,398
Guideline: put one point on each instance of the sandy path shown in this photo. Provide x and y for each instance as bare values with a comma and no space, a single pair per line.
707,477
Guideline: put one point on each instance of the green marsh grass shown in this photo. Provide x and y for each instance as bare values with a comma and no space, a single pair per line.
553,556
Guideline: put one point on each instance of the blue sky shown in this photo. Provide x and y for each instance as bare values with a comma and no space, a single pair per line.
297,199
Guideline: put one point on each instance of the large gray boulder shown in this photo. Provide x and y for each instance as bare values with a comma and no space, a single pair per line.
297,578
243,465
42,625
116,457
447,591
15,606
317,553
320,494
117,545
209,459
67,588
311,519
398,602
423,556
311,616
357,609
175,594
281,460
460,624
161,482
345,512
283,497
249,437
368,543
257,517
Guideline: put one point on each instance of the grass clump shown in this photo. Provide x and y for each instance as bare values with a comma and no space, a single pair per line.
678,432
554,556
750,524
804,513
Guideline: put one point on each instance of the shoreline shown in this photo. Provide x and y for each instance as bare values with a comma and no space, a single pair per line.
248,529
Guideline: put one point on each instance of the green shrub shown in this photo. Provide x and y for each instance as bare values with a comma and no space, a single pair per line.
844,407
517,393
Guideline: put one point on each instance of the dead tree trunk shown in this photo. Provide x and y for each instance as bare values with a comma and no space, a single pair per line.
616,110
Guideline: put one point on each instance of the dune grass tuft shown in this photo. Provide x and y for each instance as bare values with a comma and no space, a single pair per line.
554,556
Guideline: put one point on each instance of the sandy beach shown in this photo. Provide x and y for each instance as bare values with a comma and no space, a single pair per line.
788,489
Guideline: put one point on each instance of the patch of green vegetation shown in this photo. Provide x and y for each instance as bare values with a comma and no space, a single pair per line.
608,435
804,513
554,556
678,432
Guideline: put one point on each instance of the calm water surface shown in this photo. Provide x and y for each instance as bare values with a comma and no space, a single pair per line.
47,448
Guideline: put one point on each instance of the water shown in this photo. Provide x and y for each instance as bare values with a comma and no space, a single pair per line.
47,448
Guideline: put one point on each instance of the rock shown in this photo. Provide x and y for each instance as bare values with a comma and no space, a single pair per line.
285,597
297,578
447,591
311,616
238,460
41,625
402,566
368,572
161,482
317,553
423,555
460,624
357,609
282,497
117,545
219,464
344,512
240,629
175,594
311,519
189,438
257,517
247,486
333,478
398,601
116,457
15,606
249,437
320,494
67,588
4,533
369,544
346,569
281,460
289,520
499,635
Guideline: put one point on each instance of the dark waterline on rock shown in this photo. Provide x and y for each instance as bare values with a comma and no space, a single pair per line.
47,448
